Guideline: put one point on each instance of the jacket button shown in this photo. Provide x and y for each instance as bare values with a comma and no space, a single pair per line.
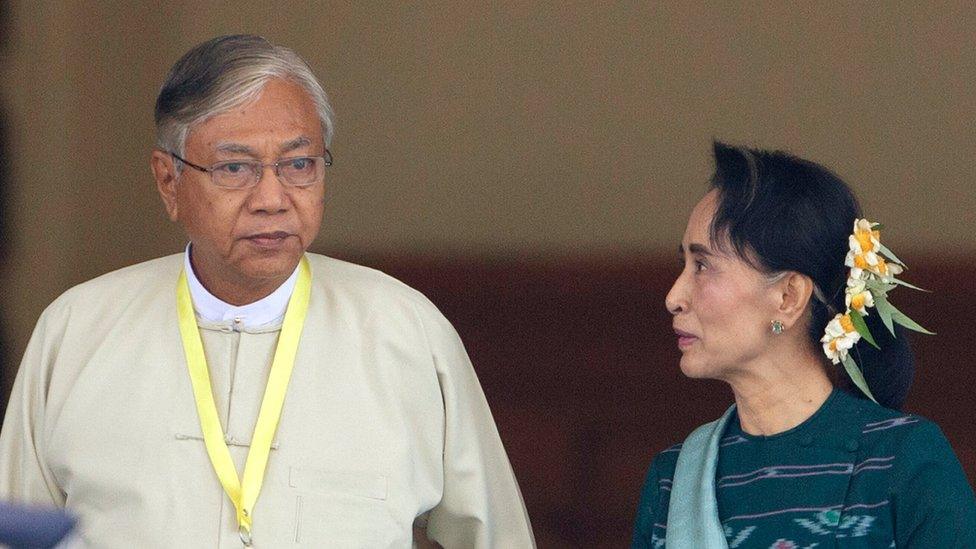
807,440
852,445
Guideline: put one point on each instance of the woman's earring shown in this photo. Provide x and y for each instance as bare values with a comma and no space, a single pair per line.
777,327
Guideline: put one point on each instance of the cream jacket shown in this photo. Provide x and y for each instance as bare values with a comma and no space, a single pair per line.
384,426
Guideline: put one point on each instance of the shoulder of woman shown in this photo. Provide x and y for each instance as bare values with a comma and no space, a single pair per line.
913,441
916,442
664,462
933,501
877,424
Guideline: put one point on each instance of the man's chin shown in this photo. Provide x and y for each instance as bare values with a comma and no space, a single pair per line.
273,269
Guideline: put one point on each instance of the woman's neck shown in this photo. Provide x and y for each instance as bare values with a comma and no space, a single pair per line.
779,395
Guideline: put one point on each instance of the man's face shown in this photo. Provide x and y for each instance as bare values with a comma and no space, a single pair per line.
247,240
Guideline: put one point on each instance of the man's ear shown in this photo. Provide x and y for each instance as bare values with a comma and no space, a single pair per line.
793,294
164,171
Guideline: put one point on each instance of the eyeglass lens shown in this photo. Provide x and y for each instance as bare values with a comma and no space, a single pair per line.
297,172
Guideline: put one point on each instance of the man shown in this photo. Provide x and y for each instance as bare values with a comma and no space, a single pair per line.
244,391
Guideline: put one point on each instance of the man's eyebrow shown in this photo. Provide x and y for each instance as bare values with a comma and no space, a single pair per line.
296,143
240,148
236,148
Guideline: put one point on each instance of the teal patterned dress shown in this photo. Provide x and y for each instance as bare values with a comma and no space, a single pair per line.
853,475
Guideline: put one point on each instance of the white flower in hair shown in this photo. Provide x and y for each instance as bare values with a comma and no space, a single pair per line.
858,297
865,236
839,337
873,269
864,253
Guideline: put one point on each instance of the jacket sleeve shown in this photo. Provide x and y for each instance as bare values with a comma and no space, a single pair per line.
481,506
24,475
934,504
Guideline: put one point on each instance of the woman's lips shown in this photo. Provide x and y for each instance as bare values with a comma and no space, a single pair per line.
685,339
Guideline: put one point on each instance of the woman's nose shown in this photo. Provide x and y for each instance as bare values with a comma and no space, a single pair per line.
676,300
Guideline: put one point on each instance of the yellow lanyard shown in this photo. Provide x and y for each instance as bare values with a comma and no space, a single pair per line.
243,494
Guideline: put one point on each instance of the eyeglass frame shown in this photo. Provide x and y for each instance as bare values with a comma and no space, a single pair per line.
326,158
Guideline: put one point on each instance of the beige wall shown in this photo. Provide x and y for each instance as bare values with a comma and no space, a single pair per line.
504,129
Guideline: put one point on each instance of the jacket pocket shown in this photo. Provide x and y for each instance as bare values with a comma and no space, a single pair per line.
354,483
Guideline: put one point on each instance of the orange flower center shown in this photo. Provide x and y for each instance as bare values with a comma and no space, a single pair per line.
847,323
857,302
882,268
833,345
864,239
860,262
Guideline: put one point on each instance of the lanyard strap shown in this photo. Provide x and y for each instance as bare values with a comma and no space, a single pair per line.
244,493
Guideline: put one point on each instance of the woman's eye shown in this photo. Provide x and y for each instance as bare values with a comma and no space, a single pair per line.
700,266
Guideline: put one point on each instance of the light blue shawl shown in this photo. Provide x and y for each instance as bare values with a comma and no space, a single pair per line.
693,521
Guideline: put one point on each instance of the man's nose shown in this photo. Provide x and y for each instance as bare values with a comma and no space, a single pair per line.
269,193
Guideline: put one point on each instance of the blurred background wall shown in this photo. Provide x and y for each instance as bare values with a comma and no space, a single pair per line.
530,167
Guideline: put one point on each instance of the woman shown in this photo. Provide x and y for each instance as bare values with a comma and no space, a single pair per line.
804,458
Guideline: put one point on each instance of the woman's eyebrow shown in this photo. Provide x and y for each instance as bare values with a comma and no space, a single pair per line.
698,249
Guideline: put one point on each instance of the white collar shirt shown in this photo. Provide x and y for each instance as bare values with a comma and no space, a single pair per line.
266,311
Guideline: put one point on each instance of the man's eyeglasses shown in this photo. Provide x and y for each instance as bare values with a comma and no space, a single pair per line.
298,171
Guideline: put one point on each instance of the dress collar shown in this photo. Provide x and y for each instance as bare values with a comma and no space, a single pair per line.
265,311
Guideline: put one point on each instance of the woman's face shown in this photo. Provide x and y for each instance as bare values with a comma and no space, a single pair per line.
722,306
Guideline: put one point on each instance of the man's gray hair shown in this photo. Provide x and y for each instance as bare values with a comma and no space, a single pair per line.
223,73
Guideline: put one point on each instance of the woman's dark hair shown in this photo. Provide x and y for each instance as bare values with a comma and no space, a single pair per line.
782,213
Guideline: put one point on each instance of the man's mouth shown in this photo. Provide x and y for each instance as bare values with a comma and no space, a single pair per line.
269,239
